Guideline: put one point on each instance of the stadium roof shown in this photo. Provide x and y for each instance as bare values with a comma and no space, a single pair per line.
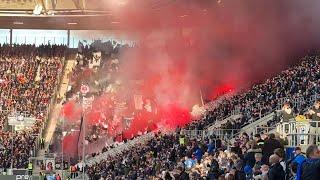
76,22
94,15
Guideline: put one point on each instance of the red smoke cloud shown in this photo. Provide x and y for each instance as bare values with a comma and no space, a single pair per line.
174,116
221,90
70,143
71,111
188,46
166,118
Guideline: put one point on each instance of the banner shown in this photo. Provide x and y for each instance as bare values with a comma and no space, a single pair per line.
19,177
20,122
96,60
87,102
50,164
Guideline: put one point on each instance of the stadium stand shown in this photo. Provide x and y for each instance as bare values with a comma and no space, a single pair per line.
175,156
269,131
30,76
296,82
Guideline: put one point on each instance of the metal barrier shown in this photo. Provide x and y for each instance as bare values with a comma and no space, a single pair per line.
251,127
223,134
300,133
264,130
192,134
96,146
298,101
120,148
217,124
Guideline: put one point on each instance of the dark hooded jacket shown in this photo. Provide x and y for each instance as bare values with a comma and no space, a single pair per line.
311,169
276,172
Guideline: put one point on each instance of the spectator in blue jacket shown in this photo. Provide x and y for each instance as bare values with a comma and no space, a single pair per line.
298,156
310,167
198,153
210,147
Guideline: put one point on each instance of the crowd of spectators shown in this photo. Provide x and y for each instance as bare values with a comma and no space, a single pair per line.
173,156
301,81
28,78
176,157
259,157
99,78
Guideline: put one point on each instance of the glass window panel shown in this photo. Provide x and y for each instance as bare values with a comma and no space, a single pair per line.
38,37
87,36
4,36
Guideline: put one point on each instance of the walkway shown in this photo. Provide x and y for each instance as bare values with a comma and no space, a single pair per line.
55,112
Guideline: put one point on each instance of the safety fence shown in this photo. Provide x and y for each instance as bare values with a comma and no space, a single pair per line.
299,102
223,134
299,133
118,150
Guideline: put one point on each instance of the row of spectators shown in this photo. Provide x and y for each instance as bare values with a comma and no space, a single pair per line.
301,81
169,157
28,78
176,157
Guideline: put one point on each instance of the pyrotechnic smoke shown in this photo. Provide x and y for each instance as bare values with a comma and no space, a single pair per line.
185,46
71,111
70,143
200,44
188,46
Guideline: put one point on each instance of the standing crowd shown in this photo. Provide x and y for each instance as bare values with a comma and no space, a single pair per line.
28,78
300,81
260,157
169,157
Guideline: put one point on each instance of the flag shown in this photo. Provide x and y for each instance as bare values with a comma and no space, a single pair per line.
81,124
80,47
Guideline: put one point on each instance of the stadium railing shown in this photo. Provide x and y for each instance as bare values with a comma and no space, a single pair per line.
299,133
217,124
223,134
120,148
264,129
298,102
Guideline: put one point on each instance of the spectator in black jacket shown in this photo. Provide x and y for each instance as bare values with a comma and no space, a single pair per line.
311,166
259,141
280,153
269,146
276,171
182,175
249,156
239,174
